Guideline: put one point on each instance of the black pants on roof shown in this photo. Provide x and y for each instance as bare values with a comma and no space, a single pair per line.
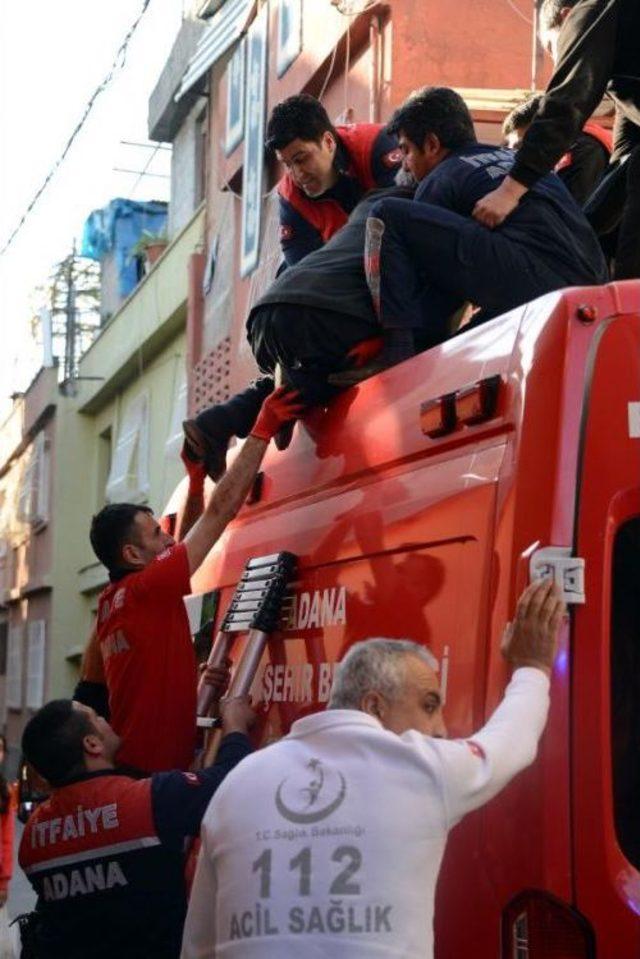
308,343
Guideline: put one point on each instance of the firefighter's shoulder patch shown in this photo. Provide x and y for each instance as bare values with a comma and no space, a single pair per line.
192,778
392,158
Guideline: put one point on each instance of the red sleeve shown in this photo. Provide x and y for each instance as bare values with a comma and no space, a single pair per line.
7,825
167,575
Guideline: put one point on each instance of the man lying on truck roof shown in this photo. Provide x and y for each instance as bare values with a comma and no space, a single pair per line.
342,853
142,625
425,257
317,317
582,166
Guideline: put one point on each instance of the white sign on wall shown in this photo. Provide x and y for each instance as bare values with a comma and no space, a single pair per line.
236,72
253,167
289,33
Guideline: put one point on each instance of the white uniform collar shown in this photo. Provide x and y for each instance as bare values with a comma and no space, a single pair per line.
331,718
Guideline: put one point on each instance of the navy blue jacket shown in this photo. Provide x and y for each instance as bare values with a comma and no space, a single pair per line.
547,220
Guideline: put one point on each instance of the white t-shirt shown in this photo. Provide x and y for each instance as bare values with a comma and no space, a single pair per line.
329,842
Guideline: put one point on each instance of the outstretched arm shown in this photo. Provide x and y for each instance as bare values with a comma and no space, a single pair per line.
230,493
476,769
193,506
583,68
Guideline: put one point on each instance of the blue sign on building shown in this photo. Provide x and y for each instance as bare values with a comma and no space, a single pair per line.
253,166
289,33
235,98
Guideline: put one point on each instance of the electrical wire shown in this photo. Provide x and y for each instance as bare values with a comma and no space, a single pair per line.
118,62
347,64
332,64
144,170
519,12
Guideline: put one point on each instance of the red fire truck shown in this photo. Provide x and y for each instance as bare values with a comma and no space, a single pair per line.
417,504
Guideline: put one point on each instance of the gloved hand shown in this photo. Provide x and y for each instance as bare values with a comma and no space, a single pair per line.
195,469
280,407
363,352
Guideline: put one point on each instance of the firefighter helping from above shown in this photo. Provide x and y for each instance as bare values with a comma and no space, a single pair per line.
317,867
328,169
594,45
424,257
581,168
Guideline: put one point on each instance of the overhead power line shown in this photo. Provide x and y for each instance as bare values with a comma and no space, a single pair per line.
118,62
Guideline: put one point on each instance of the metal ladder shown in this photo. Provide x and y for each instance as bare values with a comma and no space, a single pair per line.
256,607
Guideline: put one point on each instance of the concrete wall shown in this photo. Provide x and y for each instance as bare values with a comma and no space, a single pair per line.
110,298
187,174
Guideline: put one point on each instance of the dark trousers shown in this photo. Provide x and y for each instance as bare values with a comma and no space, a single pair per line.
433,260
308,343
614,207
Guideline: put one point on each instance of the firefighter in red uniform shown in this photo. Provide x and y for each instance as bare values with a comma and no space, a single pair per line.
105,851
142,625
328,171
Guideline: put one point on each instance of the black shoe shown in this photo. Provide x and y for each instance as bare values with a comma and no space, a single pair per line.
208,439
283,437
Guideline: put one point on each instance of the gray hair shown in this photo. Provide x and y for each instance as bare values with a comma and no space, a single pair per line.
375,664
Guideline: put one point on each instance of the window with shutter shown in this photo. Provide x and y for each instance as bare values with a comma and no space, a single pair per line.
26,494
289,33
14,668
35,663
129,475
33,498
235,98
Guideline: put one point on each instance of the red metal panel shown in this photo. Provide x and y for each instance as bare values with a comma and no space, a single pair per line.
607,886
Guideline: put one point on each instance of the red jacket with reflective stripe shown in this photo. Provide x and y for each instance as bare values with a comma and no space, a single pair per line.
105,855
327,216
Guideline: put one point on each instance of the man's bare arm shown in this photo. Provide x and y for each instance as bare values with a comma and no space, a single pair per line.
225,501
91,688
193,506
92,668
282,406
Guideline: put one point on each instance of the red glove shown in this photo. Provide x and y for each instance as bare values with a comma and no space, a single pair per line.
362,353
282,406
195,469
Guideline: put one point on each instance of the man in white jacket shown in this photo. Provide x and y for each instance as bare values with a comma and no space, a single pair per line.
329,842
